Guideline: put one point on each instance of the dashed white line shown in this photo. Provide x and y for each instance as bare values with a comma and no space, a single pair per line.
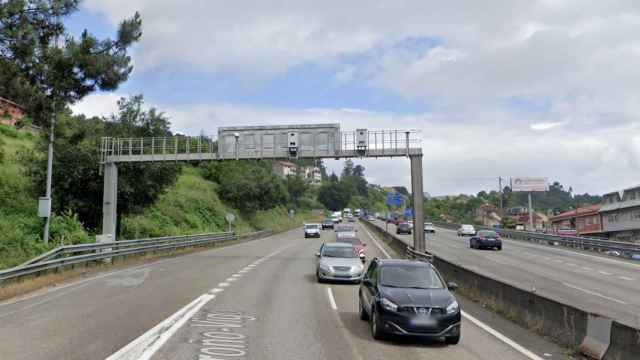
332,300
593,293
224,284
572,264
216,290
586,268
626,278
150,342
604,273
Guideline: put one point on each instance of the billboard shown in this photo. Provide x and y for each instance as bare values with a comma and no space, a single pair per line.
528,184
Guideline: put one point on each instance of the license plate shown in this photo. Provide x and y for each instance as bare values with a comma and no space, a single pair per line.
343,275
424,321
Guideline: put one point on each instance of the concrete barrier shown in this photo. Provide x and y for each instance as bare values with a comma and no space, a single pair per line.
592,334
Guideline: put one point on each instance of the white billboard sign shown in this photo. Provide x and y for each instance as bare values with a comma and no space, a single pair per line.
528,184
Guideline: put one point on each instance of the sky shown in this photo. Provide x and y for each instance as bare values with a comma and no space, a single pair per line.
501,88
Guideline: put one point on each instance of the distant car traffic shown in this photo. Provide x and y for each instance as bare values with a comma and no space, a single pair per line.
410,222
311,230
486,239
403,228
357,244
466,230
370,218
428,227
327,224
339,262
351,218
410,298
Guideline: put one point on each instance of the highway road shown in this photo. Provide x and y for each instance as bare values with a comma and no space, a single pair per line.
595,283
256,300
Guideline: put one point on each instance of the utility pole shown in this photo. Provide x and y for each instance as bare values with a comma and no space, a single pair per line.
45,236
501,195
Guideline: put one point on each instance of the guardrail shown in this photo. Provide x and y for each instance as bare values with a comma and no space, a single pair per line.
84,253
417,255
576,242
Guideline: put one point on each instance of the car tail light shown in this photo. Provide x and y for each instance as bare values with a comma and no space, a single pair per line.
481,237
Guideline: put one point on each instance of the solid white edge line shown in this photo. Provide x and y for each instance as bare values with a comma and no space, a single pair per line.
501,337
148,343
480,324
332,300
376,243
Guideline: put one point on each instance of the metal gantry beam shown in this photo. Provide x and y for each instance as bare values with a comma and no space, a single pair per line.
315,141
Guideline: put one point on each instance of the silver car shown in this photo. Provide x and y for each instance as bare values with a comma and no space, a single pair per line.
339,262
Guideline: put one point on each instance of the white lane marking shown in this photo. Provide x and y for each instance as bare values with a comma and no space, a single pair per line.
146,345
376,243
558,261
501,337
571,264
586,268
626,278
332,300
231,279
216,290
604,273
593,293
487,328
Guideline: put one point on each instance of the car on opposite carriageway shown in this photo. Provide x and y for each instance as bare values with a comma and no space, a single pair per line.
486,239
404,297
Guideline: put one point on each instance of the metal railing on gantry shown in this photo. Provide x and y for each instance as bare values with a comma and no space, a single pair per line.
374,143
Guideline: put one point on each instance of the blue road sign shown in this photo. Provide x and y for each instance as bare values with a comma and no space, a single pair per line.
408,212
394,199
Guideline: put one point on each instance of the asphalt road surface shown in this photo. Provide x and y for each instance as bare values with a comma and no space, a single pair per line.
256,300
592,282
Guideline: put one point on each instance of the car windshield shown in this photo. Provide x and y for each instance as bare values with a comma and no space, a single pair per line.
467,227
428,224
339,252
406,276
487,233
327,221
310,227
352,241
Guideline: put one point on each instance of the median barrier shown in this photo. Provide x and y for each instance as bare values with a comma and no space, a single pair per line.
594,335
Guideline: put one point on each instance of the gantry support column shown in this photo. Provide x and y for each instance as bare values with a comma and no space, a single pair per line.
418,202
110,200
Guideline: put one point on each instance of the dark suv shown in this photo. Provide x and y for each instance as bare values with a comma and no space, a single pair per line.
327,224
405,297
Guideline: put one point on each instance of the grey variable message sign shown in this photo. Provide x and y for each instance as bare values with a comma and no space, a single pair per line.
281,141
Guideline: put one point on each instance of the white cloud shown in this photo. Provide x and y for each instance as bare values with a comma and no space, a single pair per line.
579,57
543,126
459,157
98,104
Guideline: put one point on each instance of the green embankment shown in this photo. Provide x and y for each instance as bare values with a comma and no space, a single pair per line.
191,206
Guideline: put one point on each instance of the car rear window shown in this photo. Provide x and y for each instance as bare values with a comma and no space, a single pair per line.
486,233
407,276
352,241
339,252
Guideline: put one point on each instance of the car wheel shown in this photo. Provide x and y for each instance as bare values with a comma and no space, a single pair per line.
471,244
499,247
363,313
376,332
319,278
452,340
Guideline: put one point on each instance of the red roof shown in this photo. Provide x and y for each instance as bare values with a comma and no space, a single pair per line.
11,102
582,211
